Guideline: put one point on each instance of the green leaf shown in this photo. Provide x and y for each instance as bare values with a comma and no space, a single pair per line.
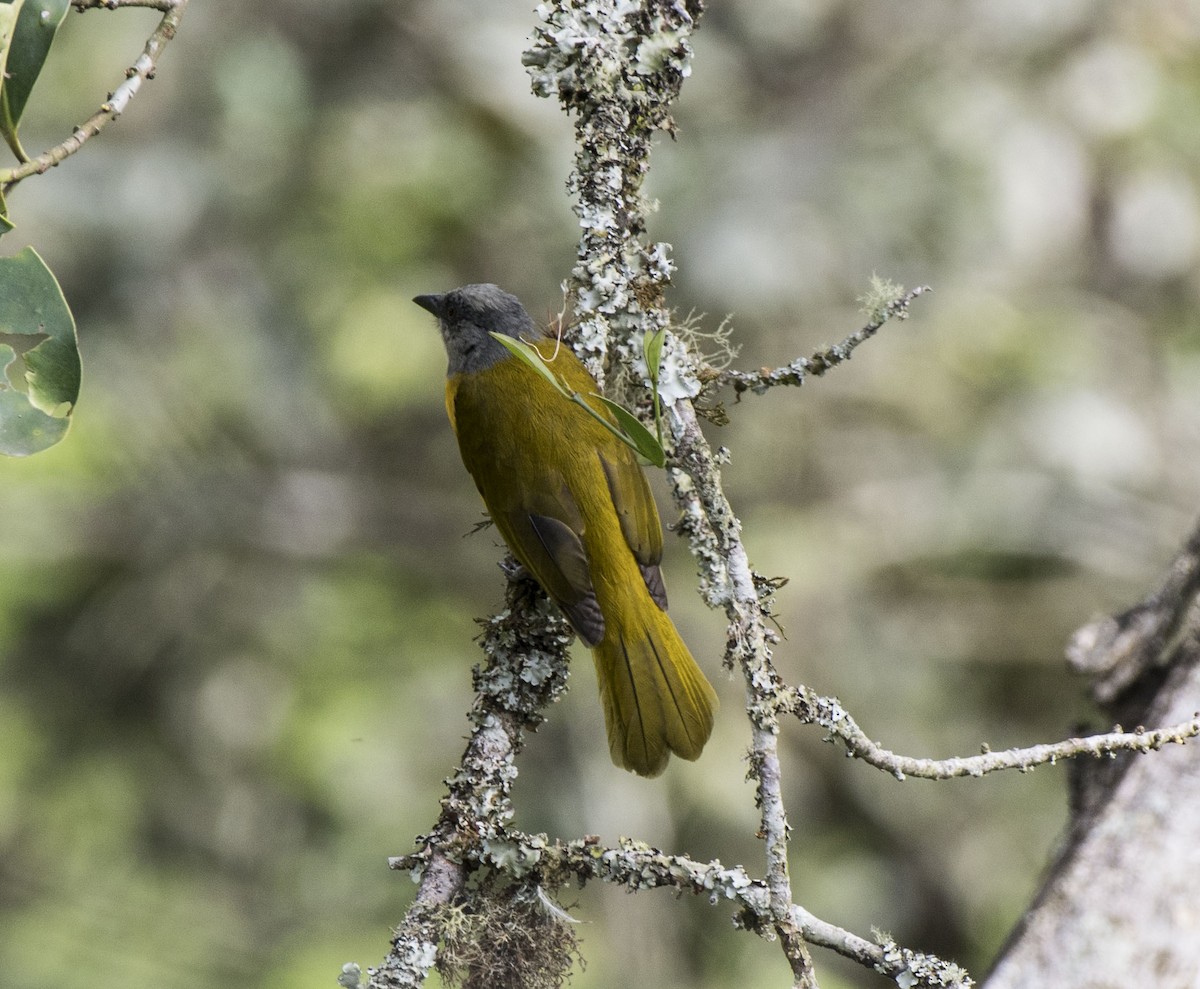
37,22
638,436
39,357
530,356
9,12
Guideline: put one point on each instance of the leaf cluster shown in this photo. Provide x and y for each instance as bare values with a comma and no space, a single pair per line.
39,352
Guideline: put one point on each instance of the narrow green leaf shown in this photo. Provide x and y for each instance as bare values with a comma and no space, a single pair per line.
604,421
9,12
652,347
639,437
631,430
522,350
39,357
37,22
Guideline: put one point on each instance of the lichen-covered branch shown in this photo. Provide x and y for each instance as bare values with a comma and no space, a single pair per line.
714,535
818,363
828,713
618,66
637,866
526,648
902,965
141,70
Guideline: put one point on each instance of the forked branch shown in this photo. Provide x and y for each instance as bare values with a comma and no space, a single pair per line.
108,111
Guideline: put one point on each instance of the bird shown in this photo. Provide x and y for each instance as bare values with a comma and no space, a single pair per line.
575,508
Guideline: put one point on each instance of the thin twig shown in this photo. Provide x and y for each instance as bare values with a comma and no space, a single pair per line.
827,712
143,69
818,363
163,5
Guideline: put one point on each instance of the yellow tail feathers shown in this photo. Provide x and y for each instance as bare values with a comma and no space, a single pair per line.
656,700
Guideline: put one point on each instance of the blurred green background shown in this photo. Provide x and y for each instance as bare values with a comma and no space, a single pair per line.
236,604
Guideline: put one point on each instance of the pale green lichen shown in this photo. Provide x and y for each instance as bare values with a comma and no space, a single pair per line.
916,970
877,300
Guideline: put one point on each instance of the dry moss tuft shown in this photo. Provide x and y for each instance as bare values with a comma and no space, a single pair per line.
509,937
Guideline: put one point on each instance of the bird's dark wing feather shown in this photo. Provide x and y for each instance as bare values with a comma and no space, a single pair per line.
638,516
567,577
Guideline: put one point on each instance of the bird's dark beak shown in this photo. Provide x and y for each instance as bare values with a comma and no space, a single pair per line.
431,303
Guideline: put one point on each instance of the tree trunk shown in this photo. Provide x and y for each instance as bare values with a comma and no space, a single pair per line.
1121,906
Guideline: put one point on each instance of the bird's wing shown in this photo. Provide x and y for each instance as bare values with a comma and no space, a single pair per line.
637,514
627,485
543,528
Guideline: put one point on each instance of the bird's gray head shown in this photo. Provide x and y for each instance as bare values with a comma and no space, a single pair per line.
466,315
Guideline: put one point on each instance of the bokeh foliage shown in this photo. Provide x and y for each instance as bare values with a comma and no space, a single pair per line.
235,610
